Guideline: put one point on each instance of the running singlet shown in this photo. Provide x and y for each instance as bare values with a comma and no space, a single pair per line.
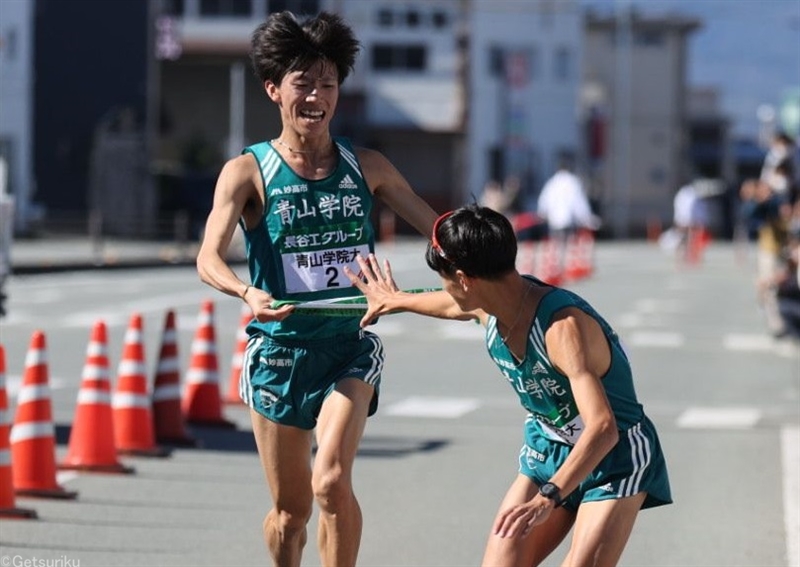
544,391
309,231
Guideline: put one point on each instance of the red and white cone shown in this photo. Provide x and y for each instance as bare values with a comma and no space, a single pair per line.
91,439
167,416
202,403
33,442
133,420
8,508
233,396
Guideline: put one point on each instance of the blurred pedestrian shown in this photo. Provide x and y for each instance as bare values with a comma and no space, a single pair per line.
782,154
591,457
565,208
690,221
768,213
304,199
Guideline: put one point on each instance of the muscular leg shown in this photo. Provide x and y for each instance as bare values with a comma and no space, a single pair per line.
339,428
601,531
543,539
285,454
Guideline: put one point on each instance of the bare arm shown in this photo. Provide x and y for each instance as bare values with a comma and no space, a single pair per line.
577,347
383,295
236,191
391,187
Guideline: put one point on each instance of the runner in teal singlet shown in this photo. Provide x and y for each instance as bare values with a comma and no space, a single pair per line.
591,458
303,200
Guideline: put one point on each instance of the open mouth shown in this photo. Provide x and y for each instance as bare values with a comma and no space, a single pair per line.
312,115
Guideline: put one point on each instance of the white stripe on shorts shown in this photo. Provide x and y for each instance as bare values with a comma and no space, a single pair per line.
377,356
641,455
245,387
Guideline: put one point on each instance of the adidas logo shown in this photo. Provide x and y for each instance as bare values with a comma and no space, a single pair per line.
347,183
539,368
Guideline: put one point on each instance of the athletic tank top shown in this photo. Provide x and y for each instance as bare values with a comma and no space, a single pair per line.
546,392
309,231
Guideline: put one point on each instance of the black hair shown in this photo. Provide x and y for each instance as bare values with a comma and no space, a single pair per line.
476,240
284,44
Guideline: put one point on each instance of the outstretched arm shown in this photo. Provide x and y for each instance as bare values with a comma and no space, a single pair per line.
383,295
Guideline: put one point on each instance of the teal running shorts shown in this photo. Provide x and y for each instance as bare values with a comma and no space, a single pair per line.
286,381
636,464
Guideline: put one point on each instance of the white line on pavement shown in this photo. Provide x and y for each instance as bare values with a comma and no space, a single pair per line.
655,339
790,452
419,406
719,418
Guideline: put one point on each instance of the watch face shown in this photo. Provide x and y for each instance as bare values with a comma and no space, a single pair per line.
549,490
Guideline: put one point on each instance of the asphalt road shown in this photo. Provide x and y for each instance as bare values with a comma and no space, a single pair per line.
439,455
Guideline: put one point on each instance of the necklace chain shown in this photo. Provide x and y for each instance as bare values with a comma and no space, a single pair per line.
519,315
291,149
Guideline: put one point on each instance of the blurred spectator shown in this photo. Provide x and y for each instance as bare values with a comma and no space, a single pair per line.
788,281
780,168
500,197
691,219
563,203
769,213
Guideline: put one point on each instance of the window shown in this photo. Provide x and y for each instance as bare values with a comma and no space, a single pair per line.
412,18
385,18
172,7
399,57
562,64
496,64
439,19
302,7
649,38
225,7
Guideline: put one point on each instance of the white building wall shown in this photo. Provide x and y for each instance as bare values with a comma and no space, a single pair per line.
550,104
16,102
427,100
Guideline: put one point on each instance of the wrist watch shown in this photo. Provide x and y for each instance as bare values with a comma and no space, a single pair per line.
551,492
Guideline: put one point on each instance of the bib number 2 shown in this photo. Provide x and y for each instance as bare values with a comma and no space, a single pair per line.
319,271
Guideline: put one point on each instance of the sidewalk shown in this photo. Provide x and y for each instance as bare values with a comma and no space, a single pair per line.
55,254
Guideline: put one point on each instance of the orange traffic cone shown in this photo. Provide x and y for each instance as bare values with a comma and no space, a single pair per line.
549,268
201,401
167,416
572,268
33,443
133,420
91,440
233,396
8,508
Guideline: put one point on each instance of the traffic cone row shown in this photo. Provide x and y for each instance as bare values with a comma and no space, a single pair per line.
105,426
557,262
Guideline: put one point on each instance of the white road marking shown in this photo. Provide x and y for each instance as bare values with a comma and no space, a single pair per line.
752,342
790,452
658,339
418,406
719,418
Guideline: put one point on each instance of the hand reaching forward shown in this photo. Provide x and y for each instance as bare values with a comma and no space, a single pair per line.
377,285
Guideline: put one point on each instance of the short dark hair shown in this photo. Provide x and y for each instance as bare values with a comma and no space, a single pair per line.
476,240
284,44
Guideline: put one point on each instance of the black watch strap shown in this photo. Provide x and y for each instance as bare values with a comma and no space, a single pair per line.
552,492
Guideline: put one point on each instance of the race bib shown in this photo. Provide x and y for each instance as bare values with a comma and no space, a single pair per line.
567,433
322,269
